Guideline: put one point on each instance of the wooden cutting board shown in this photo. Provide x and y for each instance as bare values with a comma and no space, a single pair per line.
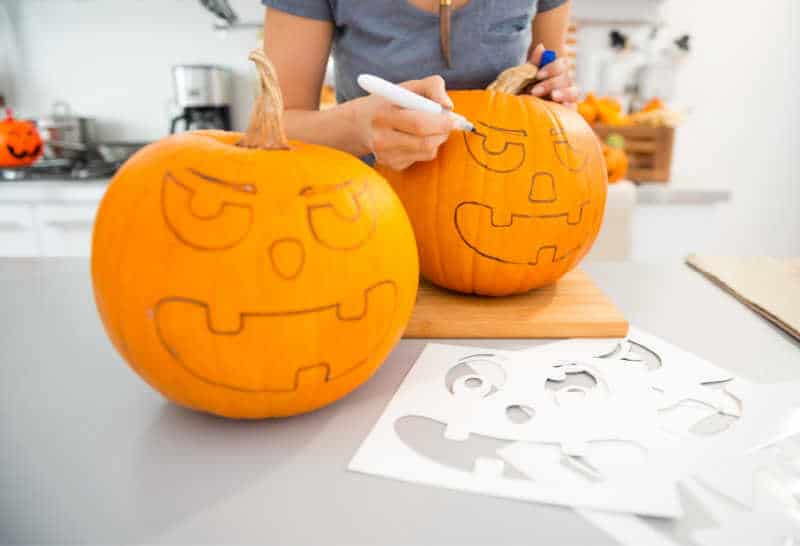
573,307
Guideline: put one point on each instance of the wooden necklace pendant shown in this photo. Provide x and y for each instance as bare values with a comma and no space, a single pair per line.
445,13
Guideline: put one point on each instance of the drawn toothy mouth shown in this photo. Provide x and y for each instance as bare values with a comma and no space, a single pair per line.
23,154
294,346
493,227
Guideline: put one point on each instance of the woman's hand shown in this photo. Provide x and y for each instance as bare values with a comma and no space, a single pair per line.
556,81
398,137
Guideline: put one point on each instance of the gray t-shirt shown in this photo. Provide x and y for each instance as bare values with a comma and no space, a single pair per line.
398,41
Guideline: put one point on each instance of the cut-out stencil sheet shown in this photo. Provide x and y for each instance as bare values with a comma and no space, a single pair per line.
612,425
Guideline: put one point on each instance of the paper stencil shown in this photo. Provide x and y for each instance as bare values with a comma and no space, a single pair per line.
612,425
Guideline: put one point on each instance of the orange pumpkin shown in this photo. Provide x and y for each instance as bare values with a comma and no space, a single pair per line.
252,277
512,206
616,158
20,143
588,111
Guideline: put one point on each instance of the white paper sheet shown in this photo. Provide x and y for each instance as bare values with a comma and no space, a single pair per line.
595,424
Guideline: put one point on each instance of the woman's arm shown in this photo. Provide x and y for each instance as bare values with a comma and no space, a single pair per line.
299,49
550,29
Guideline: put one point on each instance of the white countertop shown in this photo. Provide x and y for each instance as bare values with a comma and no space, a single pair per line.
70,191
96,456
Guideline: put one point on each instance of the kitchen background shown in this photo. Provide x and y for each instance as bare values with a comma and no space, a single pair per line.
734,187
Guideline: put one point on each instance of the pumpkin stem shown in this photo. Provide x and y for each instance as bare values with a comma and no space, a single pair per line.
515,80
265,131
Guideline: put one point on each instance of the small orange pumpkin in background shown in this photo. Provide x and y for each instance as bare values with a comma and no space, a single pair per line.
512,206
616,158
252,277
20,143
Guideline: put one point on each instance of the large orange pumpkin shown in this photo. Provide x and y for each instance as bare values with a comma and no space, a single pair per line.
512,206
255,281
20,143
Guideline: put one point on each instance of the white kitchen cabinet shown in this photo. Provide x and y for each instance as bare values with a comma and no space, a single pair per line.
51,219
18,233
65,230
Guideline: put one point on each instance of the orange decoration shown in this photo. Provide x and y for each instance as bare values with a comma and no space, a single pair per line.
653,104
616,158
512,206
20,143
248,276
588,111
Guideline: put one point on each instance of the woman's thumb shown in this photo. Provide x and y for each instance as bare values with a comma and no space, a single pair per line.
432,87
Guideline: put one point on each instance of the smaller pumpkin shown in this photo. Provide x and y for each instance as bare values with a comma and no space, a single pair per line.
616,158
653,104
20,143
588,111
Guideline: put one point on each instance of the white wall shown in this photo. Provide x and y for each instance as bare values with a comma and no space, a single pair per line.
111,59
741,84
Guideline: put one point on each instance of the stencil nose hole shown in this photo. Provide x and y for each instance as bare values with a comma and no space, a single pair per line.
288,256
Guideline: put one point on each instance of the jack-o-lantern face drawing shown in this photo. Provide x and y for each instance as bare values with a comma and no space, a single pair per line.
511,206
20,143
266,294
252,282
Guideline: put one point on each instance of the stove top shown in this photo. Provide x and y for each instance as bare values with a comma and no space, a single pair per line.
60,169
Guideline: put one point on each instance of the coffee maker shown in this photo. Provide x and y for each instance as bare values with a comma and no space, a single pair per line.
203,96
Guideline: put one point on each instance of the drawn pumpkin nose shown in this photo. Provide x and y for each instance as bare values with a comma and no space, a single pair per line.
288,257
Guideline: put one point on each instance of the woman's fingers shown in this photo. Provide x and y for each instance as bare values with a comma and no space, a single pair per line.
398,149
414,123
389,141
544,88
432,87
403,137
567,95
536,55
557,67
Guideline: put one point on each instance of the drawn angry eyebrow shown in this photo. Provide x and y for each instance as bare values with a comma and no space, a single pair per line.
517,132
243,188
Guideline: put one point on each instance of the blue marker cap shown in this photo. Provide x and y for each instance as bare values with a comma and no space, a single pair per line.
548,56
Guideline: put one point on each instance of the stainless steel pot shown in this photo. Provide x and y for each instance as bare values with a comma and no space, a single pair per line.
110,152
201,85
64,134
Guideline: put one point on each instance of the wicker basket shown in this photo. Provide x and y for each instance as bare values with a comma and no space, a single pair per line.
649,150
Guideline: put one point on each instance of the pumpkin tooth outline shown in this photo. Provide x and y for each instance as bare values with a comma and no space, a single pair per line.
248,317
542,249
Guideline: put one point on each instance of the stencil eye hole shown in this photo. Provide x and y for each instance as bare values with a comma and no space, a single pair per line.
205,212
475,375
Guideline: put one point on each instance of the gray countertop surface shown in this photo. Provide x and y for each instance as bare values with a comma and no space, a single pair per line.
90,454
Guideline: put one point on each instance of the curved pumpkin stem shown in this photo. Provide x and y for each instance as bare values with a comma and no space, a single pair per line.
265,131
515,80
